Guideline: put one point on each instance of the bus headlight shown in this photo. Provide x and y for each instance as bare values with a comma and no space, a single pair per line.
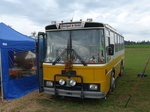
93,87
72,82
49,83
62,82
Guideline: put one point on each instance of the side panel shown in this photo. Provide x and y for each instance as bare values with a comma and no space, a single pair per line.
118,62
107,83
113,65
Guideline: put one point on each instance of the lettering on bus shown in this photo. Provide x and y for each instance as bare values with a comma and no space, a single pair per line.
67,26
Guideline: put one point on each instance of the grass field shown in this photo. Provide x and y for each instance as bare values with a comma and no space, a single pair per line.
140,102
137,46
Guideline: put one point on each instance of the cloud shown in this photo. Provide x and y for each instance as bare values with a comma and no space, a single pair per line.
22,24
131,18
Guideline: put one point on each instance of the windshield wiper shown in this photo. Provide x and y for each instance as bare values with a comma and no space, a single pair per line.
71,53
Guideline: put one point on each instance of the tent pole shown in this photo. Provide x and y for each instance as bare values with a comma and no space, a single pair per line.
2,94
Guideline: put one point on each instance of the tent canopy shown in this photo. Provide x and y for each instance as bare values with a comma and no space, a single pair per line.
11,40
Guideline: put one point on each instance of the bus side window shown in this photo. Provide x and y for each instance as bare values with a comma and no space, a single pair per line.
107,47
108,41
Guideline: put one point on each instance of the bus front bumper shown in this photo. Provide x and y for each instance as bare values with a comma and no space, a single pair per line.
74,93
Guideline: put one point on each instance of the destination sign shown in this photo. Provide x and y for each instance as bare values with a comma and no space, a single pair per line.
70,26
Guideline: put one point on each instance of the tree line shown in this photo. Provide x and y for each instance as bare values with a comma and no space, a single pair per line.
137,43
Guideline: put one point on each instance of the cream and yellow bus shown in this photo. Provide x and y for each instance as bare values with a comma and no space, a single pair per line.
79,59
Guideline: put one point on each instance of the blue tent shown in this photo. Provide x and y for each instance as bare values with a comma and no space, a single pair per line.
11,40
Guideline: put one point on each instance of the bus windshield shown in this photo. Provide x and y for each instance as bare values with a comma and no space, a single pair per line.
89,44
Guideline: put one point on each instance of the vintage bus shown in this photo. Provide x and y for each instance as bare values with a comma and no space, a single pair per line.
79,59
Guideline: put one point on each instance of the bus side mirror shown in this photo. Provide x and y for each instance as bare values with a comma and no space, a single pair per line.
111,49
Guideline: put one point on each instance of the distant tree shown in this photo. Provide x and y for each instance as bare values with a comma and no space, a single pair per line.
137,43
33,34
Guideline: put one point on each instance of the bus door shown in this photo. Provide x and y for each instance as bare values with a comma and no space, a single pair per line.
40,52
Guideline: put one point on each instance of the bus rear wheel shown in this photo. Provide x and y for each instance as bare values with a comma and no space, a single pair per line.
121,70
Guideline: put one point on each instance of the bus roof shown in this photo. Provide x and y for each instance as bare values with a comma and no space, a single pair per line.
78,25
74,25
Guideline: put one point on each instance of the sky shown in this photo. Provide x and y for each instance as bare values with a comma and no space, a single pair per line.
129,17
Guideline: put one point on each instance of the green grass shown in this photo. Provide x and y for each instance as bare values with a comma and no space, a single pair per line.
137,46
140,102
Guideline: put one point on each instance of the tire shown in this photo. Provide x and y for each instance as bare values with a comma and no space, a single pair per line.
112,82
121,70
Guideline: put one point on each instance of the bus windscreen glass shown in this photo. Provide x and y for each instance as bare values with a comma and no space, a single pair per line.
89,44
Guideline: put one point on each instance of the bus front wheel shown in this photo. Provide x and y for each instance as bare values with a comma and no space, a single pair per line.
112,82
